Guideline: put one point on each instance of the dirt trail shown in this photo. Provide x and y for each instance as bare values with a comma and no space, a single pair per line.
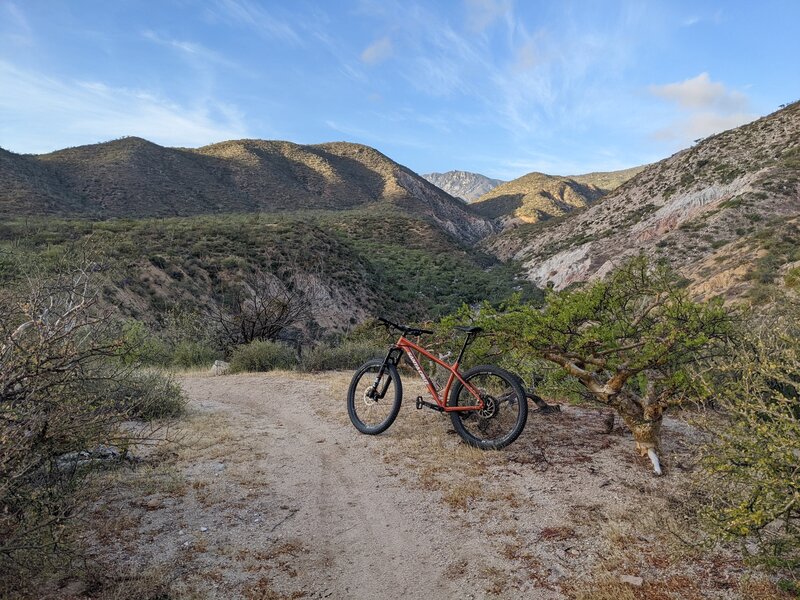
347,524
275,495
363,535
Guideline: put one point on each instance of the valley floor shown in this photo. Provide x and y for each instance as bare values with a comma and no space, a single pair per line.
272,493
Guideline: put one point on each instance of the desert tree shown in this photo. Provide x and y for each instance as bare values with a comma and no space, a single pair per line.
258,306
628,340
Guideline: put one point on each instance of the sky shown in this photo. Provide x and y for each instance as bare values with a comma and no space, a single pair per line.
498,87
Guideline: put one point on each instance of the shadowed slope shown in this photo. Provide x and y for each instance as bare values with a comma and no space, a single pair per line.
132,177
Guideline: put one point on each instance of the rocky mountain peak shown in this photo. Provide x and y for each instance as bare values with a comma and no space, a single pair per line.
463,184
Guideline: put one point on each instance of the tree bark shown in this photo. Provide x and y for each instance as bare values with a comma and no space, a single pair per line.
645,424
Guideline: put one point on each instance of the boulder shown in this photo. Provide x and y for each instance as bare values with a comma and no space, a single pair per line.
220,367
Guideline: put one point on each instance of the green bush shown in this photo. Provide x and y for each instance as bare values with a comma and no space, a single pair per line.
792,278
348,355
141,347
149,395
262,356
749,479
188,354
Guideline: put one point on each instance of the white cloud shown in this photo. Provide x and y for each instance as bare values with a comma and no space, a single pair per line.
378,51
708,107
701,93
59,113
198,54
701,125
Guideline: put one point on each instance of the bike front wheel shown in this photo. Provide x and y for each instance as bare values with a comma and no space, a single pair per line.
373,402
503,415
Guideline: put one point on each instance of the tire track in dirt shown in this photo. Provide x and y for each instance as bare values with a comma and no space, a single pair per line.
363,534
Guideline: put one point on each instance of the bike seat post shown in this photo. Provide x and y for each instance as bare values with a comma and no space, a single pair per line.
467,342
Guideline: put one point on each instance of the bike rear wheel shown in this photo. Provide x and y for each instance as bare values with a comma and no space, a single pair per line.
373,405
505,409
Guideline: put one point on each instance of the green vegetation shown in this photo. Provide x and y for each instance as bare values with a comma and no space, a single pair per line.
779,243
346,355
190,354
792,278
750,480
791,158
393,264
629,341
262,355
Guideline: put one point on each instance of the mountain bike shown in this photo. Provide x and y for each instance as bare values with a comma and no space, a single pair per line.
487,405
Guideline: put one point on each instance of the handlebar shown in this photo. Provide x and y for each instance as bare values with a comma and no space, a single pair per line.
406,330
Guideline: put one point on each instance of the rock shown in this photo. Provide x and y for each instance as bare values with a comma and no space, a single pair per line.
153,504
106,452
220,367
632,580
101,453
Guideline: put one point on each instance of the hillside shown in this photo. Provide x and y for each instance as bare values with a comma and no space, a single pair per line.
534,197
346,266
463,184
725,212
537,197
134,178
607,181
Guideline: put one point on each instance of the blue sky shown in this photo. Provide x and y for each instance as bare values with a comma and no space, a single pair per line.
493,86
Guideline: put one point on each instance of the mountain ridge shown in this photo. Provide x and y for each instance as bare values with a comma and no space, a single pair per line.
134,178
538,196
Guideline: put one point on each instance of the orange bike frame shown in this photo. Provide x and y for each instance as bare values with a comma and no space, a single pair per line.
409,348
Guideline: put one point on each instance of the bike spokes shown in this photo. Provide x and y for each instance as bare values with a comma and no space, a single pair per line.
374,397
502,415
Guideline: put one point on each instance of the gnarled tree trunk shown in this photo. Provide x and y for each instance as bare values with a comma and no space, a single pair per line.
644,420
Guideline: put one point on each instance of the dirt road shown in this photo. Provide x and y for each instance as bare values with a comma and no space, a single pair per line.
273,494
350,526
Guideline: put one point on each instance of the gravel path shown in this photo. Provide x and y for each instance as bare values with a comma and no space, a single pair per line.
273,494
361,532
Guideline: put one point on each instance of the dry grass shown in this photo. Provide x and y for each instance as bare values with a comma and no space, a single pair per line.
491,496
602,588
556,534
263,589
428,450
644,533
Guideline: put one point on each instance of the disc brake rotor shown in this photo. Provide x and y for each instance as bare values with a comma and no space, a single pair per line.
370,396
490,406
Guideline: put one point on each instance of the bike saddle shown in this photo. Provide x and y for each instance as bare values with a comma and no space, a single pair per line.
467,329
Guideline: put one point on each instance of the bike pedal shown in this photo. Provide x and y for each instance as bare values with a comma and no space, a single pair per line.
420,403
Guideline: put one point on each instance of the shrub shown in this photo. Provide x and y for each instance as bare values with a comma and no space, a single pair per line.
348,355
141,347
628,341
158,261
64,388
750,469
792,278
148,395
188,354
262,356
